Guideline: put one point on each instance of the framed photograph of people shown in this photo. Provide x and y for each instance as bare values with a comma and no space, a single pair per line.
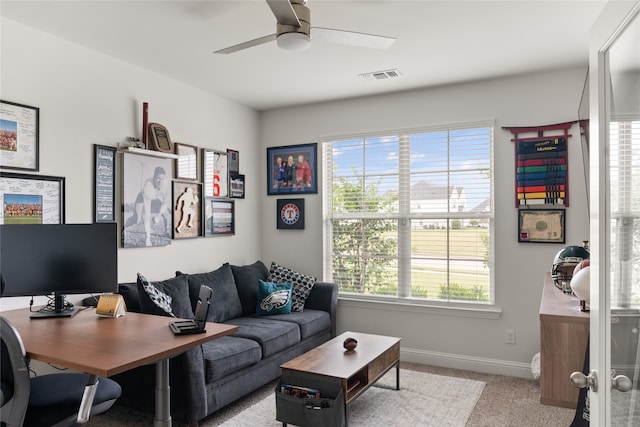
236,186
19,136
147,202
290,214
187,161
31,199
215,173
219,217
541,226
292,169
187,209
104,183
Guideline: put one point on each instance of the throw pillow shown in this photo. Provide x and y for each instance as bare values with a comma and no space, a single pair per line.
302,284
225,303
273,298
246,278
166,298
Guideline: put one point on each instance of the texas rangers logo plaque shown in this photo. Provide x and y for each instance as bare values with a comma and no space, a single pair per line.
290,214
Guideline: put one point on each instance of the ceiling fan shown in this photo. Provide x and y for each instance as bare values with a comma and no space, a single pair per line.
294,31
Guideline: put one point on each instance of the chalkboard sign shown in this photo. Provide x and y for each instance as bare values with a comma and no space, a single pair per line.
104,184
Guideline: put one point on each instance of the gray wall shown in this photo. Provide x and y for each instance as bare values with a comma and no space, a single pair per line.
445,337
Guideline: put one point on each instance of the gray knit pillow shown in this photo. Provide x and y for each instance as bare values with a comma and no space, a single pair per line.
302,284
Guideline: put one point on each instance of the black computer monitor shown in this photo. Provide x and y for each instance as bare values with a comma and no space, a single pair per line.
58,260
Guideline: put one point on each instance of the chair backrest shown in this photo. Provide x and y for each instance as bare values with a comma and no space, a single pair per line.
16,383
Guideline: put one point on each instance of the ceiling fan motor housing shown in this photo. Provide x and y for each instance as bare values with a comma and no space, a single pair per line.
304,16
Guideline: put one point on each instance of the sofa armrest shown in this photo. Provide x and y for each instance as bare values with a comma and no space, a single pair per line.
324,296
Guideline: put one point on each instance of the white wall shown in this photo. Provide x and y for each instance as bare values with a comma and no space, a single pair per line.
88,98
536,99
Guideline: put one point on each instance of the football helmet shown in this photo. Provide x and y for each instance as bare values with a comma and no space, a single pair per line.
564,263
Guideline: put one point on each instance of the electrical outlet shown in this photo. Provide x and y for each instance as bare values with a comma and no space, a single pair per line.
510,336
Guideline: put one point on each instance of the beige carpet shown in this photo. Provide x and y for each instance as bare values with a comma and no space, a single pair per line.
423,399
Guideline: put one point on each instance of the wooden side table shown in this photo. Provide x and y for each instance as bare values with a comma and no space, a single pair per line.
564,331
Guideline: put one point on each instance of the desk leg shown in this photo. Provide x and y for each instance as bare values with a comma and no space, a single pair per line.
163,396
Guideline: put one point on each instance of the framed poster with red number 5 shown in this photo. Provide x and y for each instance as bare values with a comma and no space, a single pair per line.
290,214
215,173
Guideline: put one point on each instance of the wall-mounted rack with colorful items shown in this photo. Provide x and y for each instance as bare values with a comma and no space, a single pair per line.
541,161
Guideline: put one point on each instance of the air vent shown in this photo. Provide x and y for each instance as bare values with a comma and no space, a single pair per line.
381,75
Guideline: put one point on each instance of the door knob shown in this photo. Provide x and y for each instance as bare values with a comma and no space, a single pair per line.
621,383
581,380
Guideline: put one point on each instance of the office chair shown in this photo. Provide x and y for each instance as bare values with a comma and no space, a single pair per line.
47,400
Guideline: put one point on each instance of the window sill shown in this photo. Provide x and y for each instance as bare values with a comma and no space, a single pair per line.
424,307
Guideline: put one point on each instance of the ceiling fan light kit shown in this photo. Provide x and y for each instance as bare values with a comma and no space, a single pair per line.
294,30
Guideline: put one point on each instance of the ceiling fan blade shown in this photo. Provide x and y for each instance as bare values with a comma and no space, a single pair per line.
246,45
284,12
351,38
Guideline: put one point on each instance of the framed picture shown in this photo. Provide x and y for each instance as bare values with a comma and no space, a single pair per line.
234,161
292,169
187,209
104,183
19,142
159,138
147,203
31,199
236,186
541,226
219,217
290,214
187,162
215,173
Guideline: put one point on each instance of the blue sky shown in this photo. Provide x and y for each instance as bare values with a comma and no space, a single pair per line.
8,125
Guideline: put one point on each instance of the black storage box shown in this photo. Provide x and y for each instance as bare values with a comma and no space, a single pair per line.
325,411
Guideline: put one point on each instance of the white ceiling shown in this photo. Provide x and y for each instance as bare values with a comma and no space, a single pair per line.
438,42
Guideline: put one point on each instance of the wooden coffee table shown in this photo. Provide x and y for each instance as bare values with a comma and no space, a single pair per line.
372,358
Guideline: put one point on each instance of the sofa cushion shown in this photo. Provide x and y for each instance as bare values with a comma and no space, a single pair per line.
272,335
226,355
166,298
302,284
129,292
273,298
225,303
246,278
309,321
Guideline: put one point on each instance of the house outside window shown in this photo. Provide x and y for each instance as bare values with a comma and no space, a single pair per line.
408,215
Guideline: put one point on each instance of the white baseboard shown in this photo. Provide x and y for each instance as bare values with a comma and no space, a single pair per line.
469,363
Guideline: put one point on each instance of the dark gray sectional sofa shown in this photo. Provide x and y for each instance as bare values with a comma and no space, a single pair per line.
208,377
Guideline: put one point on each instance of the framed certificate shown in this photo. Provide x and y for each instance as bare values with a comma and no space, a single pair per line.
541,226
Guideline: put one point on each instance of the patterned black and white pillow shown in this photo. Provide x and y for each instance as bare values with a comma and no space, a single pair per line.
159,298
302,284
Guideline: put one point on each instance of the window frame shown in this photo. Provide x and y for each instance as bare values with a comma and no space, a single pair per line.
485,309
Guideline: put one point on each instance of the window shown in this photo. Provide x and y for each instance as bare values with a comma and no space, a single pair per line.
409,215
624,176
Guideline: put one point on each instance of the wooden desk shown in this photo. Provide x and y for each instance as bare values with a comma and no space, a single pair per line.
108,346
564,331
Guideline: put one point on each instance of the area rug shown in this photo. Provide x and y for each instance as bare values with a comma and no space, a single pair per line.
423,400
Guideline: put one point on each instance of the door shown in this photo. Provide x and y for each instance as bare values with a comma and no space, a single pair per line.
614,395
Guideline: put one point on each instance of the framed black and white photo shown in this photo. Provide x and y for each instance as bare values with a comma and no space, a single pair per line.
236,186
219,217
215,173
541,226
292,169
19,136
104,183
147,211
187,161
290,214
187,209
31,199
